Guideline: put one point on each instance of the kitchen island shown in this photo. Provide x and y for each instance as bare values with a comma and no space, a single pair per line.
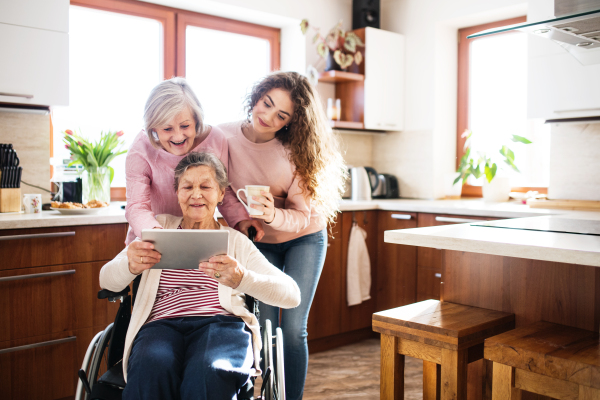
537,275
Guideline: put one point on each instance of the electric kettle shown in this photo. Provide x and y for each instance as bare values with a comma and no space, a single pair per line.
362,184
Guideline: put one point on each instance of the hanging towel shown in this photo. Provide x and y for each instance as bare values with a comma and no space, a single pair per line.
359,267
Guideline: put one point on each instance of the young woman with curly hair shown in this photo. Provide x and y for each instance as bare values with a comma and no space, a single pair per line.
287,144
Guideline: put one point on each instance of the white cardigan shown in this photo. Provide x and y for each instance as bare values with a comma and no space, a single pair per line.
261,280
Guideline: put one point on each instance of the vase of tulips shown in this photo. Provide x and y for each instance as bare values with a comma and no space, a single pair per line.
95,158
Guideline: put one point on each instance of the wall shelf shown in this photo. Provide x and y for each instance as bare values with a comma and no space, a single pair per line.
340,77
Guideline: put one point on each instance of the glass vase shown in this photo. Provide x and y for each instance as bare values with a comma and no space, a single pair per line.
96,184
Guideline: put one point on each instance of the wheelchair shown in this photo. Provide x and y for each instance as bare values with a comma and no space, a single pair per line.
101,373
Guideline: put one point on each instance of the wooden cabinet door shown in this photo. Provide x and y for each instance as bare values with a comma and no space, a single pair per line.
360,315
396,264
325,313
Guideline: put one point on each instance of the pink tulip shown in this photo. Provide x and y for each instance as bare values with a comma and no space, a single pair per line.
79,143
69,132
67,146
120,133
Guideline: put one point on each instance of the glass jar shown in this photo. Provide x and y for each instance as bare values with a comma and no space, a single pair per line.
96,184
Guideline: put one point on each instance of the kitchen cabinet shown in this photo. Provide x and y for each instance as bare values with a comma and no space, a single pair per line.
35,52
429,260
396,264
48,286
372,94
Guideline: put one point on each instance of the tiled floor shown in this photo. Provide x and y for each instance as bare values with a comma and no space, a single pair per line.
352,372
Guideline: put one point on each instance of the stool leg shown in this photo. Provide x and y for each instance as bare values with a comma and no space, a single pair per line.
454,375
588,393
431,380
503,383
392,369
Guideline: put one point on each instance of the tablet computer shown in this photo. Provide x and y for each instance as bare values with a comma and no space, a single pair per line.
186,248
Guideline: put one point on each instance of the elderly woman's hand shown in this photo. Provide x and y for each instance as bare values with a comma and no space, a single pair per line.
141,256
225,269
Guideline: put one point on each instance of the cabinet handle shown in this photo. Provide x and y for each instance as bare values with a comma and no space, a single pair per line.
402,216
576,110
438,275
41,275
38,235
328,244
40,344
27,96
458,220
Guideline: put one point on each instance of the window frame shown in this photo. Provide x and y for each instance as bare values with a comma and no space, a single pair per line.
462,120
174,22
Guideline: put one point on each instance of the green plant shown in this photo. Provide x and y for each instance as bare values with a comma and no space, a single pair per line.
94,155
343,44
483,164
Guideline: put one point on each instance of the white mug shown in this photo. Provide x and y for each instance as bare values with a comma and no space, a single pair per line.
32,203
249,191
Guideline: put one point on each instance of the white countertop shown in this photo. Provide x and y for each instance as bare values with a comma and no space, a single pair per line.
537,245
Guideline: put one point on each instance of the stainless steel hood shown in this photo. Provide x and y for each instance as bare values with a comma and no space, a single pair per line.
576,28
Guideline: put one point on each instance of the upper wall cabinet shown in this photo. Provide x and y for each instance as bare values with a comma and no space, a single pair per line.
35,52
372,94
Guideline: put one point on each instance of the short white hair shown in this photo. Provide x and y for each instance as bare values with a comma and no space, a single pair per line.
168,99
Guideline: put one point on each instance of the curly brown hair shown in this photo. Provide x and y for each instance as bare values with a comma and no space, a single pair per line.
314,147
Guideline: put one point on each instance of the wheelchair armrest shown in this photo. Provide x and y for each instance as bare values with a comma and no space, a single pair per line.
112,296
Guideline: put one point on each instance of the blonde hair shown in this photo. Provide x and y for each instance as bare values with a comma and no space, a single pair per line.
166,100
314,148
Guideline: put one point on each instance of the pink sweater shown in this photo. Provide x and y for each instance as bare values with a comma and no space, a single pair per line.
269,164
150,173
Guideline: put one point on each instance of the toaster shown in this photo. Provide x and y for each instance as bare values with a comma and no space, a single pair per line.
388,187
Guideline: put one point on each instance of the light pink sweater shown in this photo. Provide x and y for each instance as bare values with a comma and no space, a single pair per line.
269,164
150,173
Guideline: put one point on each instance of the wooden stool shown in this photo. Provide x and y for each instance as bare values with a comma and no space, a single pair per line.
544,358
445,336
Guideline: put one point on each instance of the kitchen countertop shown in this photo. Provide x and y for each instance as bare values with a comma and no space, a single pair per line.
474,207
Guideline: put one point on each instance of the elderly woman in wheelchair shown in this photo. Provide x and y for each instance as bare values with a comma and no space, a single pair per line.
191,335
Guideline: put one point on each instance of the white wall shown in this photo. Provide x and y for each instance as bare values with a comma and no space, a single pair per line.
426,149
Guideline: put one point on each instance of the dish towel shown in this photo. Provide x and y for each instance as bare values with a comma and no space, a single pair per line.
359,267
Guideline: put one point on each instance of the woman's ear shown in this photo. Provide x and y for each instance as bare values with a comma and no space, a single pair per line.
221,195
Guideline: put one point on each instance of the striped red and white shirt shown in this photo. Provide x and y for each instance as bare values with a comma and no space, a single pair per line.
186,293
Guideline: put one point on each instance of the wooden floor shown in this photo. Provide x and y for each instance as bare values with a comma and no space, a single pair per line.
352,372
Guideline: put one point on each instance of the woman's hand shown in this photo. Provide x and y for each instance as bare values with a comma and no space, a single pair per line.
268,206
141,256
225,269
244,225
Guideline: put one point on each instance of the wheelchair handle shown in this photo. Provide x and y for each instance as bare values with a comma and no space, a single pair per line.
251,233
107,294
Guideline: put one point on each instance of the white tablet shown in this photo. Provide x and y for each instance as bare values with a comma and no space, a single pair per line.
186,248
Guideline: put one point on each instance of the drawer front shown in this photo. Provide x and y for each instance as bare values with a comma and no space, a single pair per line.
24,248
48,300
44,367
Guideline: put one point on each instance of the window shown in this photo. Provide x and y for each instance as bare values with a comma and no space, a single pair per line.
120,49
492,102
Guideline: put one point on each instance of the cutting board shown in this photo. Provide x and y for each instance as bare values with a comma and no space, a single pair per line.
565,204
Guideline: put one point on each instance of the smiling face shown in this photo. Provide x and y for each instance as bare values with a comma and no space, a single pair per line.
198,195
272,112
178,136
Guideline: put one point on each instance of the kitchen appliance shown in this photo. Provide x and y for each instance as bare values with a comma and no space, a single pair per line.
364,180
66,181
575,26
387,188
365,13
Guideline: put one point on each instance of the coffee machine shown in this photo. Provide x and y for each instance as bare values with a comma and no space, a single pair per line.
66,181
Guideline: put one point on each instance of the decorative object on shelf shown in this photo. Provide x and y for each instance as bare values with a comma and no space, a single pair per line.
95,158
312,74
339,48
494,188
334,112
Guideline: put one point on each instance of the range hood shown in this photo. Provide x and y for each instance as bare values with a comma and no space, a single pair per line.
576,28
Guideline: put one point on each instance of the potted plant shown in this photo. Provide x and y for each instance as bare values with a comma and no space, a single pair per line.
95,158
339,47
494,188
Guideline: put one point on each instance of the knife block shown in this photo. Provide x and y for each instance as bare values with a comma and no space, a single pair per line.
10,200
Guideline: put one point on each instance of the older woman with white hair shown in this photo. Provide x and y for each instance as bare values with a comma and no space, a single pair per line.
173,127
191,335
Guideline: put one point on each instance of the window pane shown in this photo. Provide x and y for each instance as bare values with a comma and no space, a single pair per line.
114,62
498,108
221,68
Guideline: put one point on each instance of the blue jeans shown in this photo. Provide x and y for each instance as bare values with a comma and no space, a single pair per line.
190,358
302,259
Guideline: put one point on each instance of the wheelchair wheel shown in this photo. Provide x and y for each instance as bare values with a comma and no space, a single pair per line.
98,365
86,362
268,355
280,371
